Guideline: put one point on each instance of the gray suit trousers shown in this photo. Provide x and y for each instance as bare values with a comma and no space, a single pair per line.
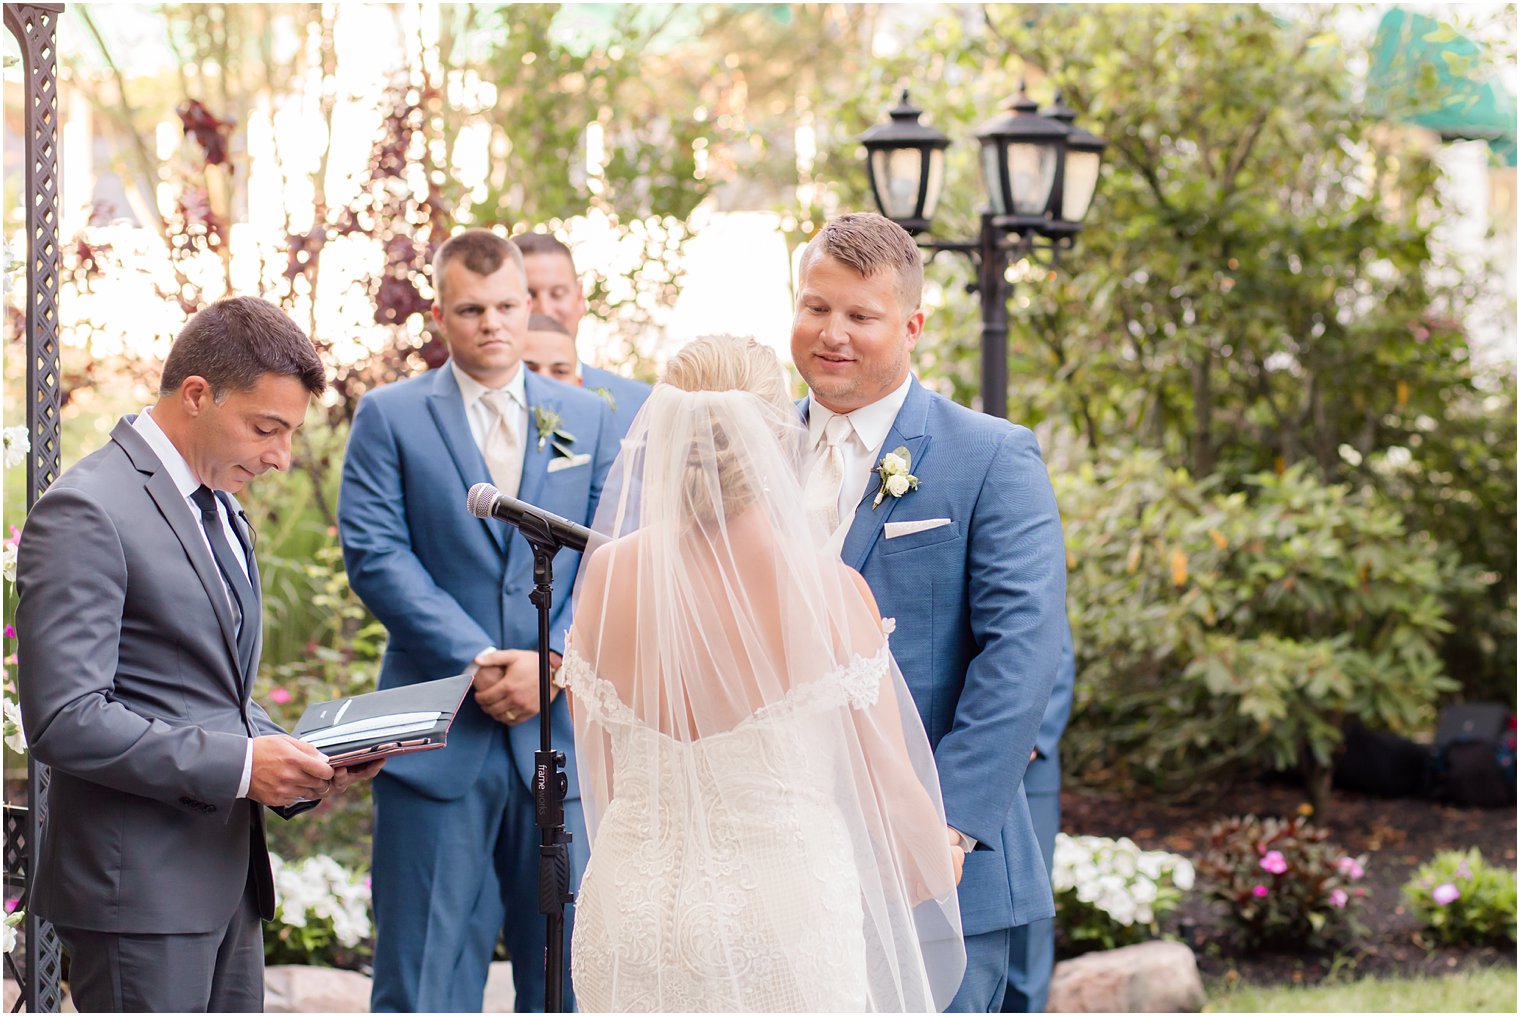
214,971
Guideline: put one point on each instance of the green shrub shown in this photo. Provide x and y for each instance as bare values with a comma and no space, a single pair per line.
1217,631
1110,893
1462,899
1282,884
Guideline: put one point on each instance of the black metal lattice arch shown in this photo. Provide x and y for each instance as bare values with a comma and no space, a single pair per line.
35,27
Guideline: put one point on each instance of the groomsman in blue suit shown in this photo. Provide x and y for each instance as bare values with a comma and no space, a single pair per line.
556,291
1032,947
950,517
455,845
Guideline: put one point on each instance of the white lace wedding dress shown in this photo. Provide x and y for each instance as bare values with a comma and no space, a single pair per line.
763,809
722,877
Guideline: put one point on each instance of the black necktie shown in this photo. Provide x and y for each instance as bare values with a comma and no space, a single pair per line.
243,596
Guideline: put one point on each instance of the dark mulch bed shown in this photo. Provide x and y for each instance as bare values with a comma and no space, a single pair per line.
1398,836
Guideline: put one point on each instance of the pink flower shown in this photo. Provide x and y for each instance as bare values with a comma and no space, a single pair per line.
10,631
1274,862
1338,897
279,696
1349,868
1259,891
1445,893
10,904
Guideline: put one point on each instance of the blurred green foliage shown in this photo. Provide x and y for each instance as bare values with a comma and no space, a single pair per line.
1219,632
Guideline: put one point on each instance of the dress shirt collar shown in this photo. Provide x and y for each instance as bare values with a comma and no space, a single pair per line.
871,423
471,390
179,470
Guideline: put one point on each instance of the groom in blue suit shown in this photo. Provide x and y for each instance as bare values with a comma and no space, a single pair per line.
960,541
455,845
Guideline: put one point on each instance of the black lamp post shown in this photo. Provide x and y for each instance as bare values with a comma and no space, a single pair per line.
1039,171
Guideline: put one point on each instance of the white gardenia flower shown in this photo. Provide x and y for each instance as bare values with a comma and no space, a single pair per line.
7,937
17,444
897,486
893,463
1182,874
8,561
1143,890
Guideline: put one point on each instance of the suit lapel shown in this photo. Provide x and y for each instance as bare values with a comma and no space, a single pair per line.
536,458
447,406
907,432
171,505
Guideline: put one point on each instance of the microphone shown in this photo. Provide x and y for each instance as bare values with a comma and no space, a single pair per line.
486,502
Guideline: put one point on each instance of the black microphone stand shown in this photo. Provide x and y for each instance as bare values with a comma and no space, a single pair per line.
549,780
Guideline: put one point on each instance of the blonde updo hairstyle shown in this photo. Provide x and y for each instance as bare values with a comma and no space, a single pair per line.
727,363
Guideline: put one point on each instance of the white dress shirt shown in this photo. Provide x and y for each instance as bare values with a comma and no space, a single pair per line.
186,483
862,450
480,415
482,418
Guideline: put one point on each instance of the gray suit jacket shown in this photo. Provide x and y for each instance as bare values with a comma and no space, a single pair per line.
131,692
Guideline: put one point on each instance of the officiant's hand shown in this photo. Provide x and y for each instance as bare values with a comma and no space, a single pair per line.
506,685
346,776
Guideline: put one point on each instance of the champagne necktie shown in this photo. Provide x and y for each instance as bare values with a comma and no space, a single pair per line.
502,449
827,477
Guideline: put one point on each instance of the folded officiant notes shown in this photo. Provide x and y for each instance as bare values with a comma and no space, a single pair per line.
896,529
398,721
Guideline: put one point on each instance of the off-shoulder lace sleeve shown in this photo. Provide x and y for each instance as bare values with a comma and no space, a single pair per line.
593,693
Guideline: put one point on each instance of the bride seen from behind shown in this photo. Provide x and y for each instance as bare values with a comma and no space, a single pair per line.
764,814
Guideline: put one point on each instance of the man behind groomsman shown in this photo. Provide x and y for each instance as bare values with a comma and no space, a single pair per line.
556,291
549,349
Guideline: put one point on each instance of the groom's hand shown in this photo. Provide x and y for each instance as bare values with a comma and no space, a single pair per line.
506,685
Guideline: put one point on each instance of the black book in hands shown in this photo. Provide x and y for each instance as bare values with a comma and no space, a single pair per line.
359,729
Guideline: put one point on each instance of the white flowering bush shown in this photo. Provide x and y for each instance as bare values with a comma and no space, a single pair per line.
321,914
16,445
1111,893
8,930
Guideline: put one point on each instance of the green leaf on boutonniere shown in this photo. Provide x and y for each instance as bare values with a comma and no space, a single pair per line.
606,393
550,432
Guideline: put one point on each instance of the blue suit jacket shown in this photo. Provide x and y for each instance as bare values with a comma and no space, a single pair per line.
447,585
1044,775
627,395
980,607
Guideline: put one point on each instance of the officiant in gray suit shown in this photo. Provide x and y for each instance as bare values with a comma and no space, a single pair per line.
138,619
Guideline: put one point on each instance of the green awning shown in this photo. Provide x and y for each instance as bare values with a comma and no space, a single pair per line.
1428,74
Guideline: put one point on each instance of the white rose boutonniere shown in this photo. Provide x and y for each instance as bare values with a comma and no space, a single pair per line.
895,476
549,431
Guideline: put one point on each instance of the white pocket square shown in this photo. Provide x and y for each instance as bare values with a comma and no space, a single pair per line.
896,529
569,462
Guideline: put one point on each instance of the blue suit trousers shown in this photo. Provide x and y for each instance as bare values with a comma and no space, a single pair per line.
450,876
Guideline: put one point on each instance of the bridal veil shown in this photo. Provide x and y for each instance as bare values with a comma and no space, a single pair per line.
765,819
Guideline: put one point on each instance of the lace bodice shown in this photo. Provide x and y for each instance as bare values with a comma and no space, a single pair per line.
721,877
